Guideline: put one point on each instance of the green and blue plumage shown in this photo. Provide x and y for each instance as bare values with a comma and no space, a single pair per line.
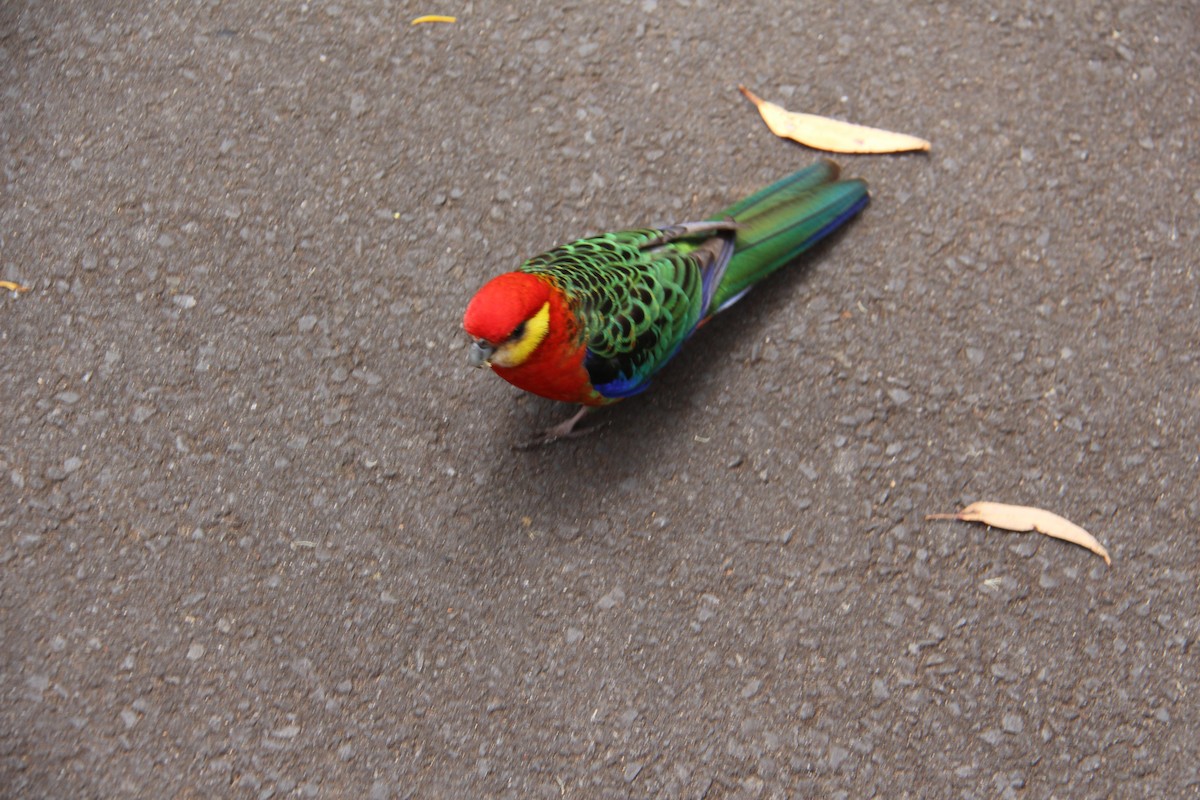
639,294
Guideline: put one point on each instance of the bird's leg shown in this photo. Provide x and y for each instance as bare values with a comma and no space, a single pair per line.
563,430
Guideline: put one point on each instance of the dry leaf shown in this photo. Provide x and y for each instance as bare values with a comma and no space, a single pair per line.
13,287
1027,518
432,18
831,135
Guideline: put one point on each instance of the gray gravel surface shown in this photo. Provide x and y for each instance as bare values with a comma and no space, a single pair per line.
264,534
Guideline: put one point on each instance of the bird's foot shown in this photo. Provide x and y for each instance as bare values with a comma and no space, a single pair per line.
563,430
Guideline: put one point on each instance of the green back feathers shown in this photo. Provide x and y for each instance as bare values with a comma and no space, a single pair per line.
635,302
637,295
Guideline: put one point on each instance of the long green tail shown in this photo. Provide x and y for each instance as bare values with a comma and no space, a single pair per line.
781,222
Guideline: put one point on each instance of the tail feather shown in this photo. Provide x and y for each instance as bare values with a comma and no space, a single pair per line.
781,221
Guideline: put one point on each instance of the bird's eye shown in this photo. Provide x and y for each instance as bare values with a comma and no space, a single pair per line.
518,332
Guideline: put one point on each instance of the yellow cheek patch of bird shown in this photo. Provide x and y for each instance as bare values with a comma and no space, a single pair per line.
831,135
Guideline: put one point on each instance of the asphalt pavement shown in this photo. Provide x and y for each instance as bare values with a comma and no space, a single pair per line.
264,533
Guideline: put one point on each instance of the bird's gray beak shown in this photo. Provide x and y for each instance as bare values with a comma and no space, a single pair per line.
479,354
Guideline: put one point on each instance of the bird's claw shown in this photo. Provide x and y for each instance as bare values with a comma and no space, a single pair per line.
563,430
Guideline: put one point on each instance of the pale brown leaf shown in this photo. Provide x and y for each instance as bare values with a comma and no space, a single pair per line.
831,135
1026,518
433,18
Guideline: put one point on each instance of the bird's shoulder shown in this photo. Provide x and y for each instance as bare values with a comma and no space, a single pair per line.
610,273
635,295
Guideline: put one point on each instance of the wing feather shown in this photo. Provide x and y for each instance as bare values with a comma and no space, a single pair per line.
638,295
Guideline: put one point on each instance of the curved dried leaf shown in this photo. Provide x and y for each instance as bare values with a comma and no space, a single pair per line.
831,135
1022,519
433,18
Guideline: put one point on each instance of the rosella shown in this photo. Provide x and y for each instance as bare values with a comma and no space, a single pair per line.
591,322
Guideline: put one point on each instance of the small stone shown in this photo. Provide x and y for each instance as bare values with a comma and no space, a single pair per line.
611,599
1025,548
129,718
751,688
899,396
879,690
1012,723
367,376
37,686
574,635
286,732
195,652
1048,581
632,769
184,301
629,716
72,464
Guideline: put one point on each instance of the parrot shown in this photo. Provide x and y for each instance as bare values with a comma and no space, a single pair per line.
592,321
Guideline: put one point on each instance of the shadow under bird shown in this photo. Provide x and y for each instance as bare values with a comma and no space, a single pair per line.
591,321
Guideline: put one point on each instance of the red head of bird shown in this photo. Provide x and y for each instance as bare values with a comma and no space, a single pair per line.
524,328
